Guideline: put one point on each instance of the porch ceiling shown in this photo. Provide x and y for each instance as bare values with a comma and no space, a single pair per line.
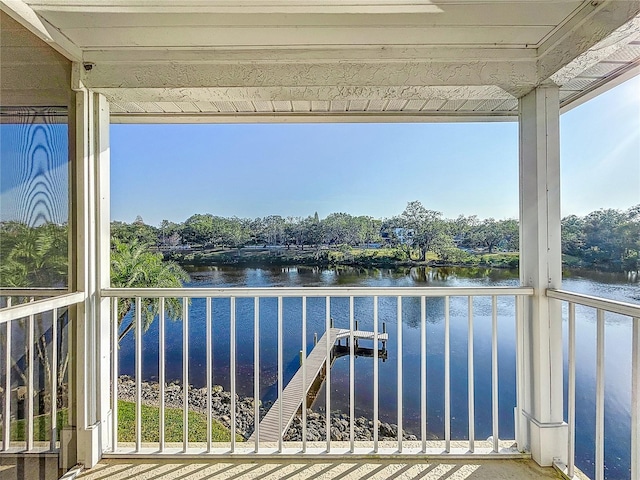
225,60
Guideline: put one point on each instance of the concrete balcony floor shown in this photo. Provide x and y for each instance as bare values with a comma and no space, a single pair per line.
330,468
148,464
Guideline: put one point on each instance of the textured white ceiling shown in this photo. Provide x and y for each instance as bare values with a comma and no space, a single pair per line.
160,59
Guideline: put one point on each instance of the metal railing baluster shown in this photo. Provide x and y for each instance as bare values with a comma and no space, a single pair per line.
423,372
209,367
256,372
161,372
470,379
53,379
280,380
399,373
114,372
635,400
29,410
599,467
328,372
447,376
351,378
303,366
571,403
520,356
494,372
232,373
376,400
185,374
138,355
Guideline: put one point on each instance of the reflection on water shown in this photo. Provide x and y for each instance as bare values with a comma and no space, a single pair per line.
618,348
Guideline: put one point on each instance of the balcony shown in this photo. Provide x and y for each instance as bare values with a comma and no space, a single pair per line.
265,443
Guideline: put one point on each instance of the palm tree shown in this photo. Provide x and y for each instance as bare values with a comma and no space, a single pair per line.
33,256
134,266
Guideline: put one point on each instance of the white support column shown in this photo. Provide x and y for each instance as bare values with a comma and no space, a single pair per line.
541,268
86,430
92,374
103,265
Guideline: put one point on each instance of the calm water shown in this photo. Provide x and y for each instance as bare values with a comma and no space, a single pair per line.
618,349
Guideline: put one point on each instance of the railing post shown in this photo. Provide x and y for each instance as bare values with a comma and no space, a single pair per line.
543,430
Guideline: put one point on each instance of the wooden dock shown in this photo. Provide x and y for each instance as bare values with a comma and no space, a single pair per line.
292,393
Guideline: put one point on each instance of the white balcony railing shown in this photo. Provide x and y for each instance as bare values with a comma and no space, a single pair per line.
22,317
506,300
601,306
23,324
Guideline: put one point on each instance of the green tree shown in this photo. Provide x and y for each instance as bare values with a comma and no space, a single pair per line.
168,231
369,229
274,229
427,225
491,233
337,229
313,231
137,231
235,232
293,231
602,244
629,233
134,266
462,229
573,239
488,234
447,252
198,229
511,229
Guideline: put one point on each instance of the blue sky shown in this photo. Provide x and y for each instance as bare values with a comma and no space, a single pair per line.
172,171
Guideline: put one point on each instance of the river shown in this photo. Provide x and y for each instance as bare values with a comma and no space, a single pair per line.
617,345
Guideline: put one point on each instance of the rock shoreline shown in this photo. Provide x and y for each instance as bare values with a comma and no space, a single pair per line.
173,397
221,411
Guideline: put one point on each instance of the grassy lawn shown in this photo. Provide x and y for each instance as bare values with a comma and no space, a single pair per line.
375,252
502,259
41,427
172,422
127,425
500,256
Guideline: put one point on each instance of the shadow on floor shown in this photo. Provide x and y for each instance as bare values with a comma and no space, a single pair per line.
374,469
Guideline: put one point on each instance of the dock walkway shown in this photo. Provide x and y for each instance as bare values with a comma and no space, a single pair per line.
269,430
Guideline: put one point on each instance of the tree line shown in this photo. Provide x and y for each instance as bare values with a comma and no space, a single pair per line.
605,238
417,230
